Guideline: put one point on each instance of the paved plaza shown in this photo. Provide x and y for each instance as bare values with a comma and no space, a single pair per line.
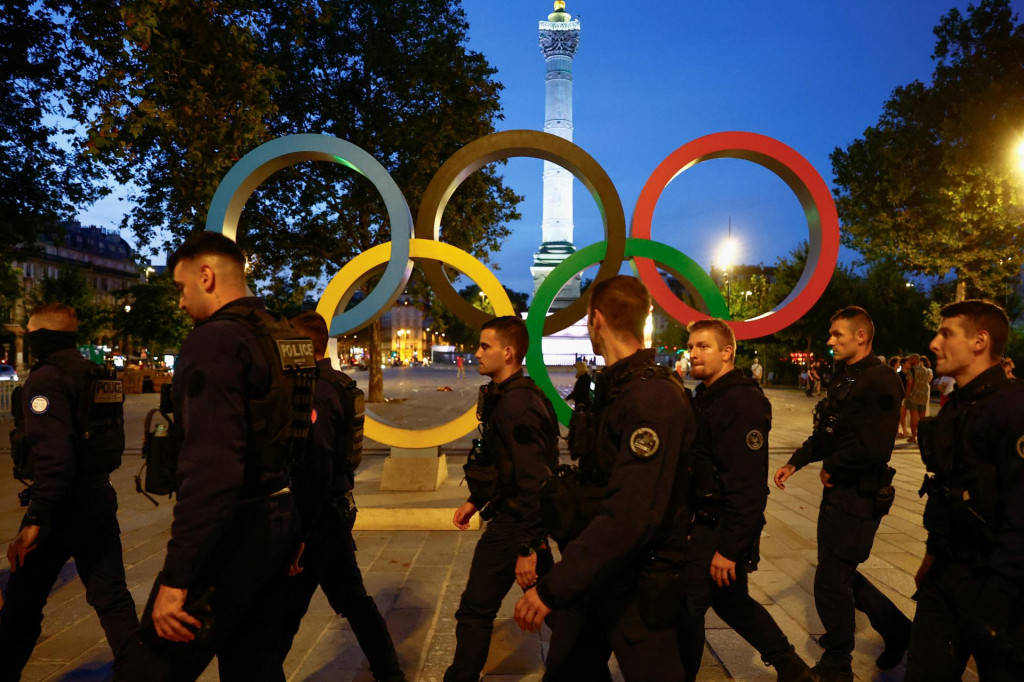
418,576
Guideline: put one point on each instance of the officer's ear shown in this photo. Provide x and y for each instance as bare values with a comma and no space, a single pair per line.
509,355
207,277
982,342
728,353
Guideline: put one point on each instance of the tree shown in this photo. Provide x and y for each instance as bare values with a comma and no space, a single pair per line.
70,287
39,183
152,319
935,184
170,96
396,79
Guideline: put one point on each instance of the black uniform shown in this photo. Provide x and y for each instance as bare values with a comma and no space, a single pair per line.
729,493
520,440
235,527
853,437
970,601
323,485
73,502
615,580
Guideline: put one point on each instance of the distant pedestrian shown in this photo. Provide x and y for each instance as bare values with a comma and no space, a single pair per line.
904,375
460,369
917,394
1007,364
757,372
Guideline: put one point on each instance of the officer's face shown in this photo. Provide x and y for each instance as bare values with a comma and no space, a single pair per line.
842,339
953,347
708,360
491,354
187,277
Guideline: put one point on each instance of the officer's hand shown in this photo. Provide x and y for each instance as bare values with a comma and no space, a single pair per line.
169,616
526,571
826,477
22,545
463,514
926,564
782,474
295,568
722,570
531,611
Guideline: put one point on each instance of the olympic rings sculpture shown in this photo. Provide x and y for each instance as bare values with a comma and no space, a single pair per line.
419,241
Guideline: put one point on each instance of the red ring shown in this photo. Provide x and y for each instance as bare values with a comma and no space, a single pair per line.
810,190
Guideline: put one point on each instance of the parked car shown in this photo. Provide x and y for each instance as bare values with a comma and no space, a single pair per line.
7,373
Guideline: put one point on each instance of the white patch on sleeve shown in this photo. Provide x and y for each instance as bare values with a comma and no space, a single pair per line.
39,404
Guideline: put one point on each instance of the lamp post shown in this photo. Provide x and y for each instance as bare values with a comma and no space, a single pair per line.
726,256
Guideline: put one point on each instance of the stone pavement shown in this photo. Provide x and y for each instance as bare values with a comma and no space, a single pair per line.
418,576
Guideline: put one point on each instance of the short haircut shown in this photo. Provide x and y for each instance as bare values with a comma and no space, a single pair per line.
914,356
511,331
723,332
312,324
624,302
55,316
979,315
857,318
205,244
895,361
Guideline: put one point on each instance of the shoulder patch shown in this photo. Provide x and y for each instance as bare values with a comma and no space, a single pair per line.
521,434
39,404
1020,447
644,443
755,440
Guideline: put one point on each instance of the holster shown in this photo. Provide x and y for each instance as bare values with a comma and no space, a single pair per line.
568,503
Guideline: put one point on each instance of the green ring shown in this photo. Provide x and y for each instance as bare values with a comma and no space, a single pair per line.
683,265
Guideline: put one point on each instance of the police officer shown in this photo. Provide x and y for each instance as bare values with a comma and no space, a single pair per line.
323,484
72,426
729,493
517,450
243,394
855,428
618,584
969,598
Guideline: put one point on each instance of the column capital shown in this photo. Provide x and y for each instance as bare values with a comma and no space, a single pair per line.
560,38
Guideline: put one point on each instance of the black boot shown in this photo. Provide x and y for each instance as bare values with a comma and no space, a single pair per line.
895,648
791,668
827,673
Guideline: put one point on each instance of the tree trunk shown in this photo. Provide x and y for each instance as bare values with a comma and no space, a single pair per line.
376,392
961,288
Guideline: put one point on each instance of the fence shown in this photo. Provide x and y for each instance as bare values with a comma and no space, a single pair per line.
6,389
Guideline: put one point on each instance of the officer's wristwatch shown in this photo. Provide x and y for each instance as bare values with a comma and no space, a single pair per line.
527,549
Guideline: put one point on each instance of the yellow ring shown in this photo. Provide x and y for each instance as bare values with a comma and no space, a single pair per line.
356,269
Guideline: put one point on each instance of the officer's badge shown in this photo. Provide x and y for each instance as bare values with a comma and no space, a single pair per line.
39,404
1020,447
755,440
644,443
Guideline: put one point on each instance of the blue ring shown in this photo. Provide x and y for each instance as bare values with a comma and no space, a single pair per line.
270,157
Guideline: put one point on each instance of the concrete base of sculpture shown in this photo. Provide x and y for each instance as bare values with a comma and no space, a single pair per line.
414,469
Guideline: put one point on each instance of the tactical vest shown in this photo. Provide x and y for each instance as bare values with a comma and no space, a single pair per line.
278,420
489,468
963,479
98,419
571,497
349,436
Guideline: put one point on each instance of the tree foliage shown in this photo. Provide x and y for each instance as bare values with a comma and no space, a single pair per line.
153,320
935,184
70,287
40,183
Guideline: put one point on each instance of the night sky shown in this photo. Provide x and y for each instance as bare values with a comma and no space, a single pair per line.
649,77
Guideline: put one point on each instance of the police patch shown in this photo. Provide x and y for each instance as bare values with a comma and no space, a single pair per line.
755,439
39,404
1020,447
644,443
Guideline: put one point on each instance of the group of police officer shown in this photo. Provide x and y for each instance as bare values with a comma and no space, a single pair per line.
657,519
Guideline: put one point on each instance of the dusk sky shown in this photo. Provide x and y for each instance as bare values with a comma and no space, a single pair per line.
649,77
